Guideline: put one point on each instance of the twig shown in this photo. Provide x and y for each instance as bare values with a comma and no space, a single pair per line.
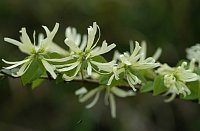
86,81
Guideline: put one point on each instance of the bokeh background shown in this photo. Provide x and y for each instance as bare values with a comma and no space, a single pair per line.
171,24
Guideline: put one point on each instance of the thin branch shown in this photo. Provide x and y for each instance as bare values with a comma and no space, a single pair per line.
86,81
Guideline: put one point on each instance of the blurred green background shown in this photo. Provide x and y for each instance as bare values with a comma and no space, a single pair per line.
171,24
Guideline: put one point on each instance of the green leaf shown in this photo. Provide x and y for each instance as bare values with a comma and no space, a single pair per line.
99,59
34,71
36,83
199,94
103,80
158,86
148,86
197,71
54,55
139,74
194,88
59,79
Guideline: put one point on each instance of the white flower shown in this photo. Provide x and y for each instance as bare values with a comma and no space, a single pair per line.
83,52
84,95
109,98
175,79
136,61
39,51
194,53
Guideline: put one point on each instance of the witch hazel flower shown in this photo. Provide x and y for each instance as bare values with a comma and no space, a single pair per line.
136,61
109,99
82,53
34,51
175,79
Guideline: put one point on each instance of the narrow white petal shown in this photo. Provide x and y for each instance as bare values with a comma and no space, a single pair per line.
134,78
104,49
91,35
50,35
104,66
94,45
34,38
40,37
131,46
69,78
81,91
94,101
88,95
143,50
136,50
74,65
84,42
25,38
106,97
53,47
17,64
66,65
124,60
22,69
110,79
55,29
50,68
157,54
72,45
117,72
112,105
12,41
72,34
171,98
116,55
46,30
136,58
131,83
121,93
89,69
60,59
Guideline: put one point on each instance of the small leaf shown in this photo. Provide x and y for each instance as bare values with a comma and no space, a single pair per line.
34,71
197,71
103,80
199,94
36,83
139,74
54,55
194,88
158,86
99,59
59,79
148,86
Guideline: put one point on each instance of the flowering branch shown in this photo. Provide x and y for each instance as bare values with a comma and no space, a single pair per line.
83,62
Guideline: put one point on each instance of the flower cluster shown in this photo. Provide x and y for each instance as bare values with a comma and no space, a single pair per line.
175,79
38,51
82,53
135,60
83,60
